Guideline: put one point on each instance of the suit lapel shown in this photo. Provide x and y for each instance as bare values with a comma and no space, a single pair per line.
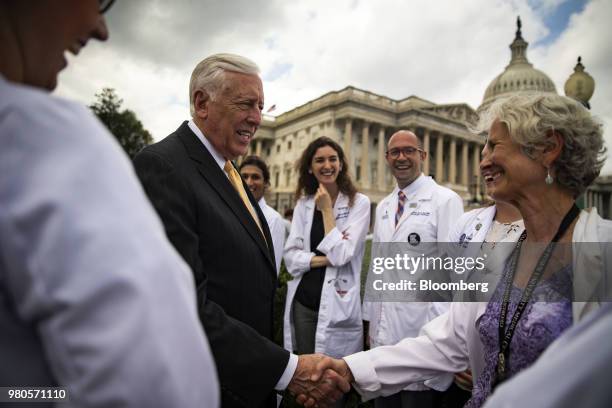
216,178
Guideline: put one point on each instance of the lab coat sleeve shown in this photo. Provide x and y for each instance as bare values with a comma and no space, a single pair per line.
340,246
297,258
89,266
441,348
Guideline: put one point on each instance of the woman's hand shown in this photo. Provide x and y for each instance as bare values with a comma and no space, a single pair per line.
324,204
464,379
323,199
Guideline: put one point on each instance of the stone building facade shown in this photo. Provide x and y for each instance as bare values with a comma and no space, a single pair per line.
362,122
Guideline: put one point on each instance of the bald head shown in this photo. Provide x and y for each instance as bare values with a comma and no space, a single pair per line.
405,136
405,157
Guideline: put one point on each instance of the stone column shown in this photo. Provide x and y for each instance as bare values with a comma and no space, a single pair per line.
453,161
439,159
464,164
258,144
600,203
365,155
348,142
380,159
426,148
330,130
476,167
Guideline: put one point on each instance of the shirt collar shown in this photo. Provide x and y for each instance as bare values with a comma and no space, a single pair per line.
215,154
414,186
262,203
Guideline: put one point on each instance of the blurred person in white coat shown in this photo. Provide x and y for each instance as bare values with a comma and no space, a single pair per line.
417,211
93,297
255,173
324,253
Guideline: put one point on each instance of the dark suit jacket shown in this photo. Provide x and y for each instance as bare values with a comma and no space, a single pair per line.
234,270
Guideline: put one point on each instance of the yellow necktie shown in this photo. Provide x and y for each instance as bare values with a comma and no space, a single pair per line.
236,181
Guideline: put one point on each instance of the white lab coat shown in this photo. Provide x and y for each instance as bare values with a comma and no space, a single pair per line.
93,297
465,240
430,210
276,224
339,327
451,342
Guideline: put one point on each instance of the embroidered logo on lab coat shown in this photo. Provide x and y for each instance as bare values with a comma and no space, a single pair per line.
421,213
343,212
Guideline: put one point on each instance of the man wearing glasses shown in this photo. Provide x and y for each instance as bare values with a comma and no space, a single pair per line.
93,297
418,211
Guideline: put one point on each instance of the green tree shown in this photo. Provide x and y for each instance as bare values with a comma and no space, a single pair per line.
123,124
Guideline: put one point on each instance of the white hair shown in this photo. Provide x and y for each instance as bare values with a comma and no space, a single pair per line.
208,75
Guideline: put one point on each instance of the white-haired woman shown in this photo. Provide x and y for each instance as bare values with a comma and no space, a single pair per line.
542,151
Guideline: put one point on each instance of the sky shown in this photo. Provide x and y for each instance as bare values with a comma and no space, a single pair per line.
443,51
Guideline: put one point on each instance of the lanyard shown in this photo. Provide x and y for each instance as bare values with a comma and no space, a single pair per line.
505,337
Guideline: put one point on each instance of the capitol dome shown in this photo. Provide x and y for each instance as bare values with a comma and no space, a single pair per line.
519,75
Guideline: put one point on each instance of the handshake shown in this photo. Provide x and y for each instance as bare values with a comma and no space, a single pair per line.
319,381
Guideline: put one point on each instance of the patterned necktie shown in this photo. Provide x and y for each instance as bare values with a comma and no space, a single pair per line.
401,200
236,181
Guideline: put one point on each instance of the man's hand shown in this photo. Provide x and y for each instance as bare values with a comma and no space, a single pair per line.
328,370
335,364
324,391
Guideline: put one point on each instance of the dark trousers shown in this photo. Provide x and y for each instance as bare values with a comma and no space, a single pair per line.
409,399
454,397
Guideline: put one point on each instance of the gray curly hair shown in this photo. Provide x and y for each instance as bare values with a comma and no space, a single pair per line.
208,74
530,116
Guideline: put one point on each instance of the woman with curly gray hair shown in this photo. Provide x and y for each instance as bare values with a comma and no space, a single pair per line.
542,152
551,134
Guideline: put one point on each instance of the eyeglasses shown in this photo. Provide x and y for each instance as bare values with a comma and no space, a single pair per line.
105,5
406,151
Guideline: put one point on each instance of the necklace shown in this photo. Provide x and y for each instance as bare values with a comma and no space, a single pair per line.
505,337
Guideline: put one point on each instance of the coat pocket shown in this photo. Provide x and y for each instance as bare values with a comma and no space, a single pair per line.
344,308
341,342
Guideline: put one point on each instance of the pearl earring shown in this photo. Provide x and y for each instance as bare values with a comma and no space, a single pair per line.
549,179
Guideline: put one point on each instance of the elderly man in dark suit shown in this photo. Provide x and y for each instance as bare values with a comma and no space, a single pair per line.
217,226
